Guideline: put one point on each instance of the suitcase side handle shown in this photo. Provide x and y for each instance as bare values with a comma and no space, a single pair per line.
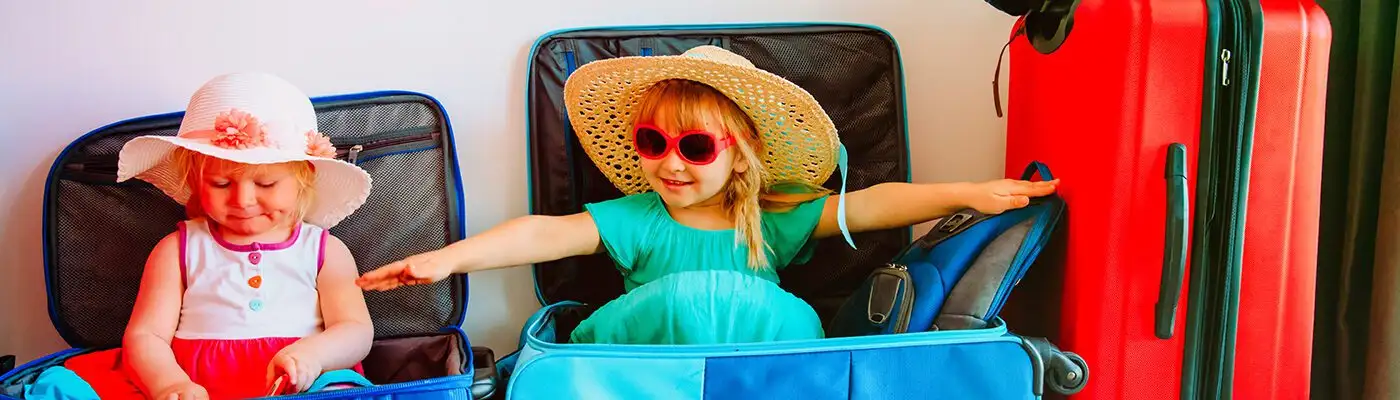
1037,167
1174,251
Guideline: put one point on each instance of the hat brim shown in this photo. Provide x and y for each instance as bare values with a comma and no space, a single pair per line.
800,140
340,187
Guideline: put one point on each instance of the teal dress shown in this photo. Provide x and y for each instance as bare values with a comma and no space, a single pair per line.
694,286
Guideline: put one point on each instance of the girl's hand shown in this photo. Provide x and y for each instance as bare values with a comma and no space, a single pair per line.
299,369
998,196
186,390
417,269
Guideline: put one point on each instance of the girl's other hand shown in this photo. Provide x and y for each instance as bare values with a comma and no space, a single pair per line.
418,269
186,390
300,370
998,196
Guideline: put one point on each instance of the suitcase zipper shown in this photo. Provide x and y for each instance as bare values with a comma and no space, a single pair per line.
358,150
1224,67
1224,158
544,320
354,153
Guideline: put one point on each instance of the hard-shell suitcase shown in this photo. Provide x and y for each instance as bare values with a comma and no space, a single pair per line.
402,139
1173,123
854,71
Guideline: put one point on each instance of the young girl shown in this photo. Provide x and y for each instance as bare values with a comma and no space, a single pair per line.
251,290
722,165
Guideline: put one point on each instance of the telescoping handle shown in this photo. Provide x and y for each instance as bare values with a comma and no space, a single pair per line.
1174,250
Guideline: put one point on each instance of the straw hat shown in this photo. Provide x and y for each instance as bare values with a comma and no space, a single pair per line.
799,137
251,118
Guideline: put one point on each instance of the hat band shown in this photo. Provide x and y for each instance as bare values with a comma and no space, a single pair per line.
237,129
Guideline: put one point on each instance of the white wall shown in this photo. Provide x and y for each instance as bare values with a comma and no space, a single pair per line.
67,67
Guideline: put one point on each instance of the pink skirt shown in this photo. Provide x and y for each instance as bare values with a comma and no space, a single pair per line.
227,369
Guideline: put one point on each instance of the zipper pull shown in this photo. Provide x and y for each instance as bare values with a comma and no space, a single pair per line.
355,152
1225,69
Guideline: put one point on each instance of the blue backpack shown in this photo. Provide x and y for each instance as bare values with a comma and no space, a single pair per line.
957,276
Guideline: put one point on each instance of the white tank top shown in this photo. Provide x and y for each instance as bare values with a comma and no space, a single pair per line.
249,291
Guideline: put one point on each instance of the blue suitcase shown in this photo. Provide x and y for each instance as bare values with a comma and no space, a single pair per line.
855,72
402,139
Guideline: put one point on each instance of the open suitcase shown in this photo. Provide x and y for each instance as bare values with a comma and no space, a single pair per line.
402,139
1175,122
855,72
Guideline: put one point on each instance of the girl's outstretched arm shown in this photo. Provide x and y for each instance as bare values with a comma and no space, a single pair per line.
349,333
520,241
154,317
897,204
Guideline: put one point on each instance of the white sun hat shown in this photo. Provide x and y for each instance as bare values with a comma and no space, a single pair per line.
251,118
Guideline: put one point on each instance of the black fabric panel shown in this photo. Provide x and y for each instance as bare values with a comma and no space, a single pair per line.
854,72
94,275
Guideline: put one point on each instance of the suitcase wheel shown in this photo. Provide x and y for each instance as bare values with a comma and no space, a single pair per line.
1068,373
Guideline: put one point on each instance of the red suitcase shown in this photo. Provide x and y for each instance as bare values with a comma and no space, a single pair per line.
1273,354
1171,123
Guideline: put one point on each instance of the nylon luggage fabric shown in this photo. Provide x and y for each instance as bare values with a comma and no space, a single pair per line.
402,139
853,71
984,363
412,208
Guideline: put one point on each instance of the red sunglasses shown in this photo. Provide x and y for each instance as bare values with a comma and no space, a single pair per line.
695,147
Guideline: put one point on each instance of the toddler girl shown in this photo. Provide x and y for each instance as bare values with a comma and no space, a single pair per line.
721,164
251,290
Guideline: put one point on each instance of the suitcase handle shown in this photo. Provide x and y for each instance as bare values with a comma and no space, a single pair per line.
1174,251
1037,167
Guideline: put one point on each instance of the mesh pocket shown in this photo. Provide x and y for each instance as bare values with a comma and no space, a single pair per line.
96,274
404,215
360,119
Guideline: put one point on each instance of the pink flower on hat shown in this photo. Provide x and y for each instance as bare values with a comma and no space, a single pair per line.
318,145
237,129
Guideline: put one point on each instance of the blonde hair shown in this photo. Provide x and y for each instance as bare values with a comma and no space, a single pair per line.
745,196
189,167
